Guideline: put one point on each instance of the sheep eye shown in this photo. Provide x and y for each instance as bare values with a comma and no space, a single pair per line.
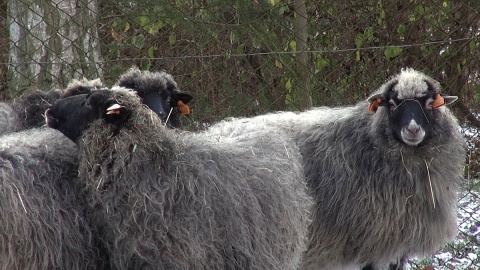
429,103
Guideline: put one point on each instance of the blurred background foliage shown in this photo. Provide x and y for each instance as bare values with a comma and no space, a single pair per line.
240,58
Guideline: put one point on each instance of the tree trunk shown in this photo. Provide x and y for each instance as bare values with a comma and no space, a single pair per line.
51,43
303,94
4,40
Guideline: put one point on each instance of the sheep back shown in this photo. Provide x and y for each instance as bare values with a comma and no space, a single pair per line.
25,112
9,119
42,225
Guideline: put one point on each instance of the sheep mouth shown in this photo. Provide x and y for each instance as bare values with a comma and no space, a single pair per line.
50,120
412,139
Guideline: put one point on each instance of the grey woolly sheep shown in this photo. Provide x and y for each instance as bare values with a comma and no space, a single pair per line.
42,221
27,111
159,92
170,200
384,181
43,224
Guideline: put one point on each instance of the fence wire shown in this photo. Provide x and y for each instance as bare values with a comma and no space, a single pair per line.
250,57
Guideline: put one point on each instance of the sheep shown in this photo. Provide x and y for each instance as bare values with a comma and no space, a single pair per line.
180,200
384,173
158,90
27,111
169,105
43,223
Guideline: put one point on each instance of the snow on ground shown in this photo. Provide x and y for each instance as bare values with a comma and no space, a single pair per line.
464,252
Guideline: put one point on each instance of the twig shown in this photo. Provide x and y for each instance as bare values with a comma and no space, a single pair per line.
20,197
168,117
430,183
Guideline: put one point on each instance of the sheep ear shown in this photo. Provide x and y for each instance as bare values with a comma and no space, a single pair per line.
375,102
184,97
441,100
449,99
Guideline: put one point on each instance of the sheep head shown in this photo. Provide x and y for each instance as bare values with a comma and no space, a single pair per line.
159,92
72,115
411,99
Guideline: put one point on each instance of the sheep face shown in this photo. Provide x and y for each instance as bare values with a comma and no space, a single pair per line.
164,103
159,92
412,103
168,103
72,115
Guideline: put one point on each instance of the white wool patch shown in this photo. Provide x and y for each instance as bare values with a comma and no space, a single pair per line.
96,83
411,84
9,119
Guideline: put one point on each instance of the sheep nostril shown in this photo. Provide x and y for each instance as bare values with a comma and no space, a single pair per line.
413,129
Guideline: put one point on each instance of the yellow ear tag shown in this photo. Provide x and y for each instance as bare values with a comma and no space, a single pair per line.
375,104
438,101
183,108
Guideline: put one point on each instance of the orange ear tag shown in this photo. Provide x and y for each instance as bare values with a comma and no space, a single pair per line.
183,108
375,104
438,101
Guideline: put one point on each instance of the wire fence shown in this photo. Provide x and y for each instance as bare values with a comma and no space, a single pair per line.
249,57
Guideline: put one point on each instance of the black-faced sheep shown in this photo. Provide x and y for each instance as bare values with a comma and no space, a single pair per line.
27,111
384,180
158,90
171,200
169,104
43,223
